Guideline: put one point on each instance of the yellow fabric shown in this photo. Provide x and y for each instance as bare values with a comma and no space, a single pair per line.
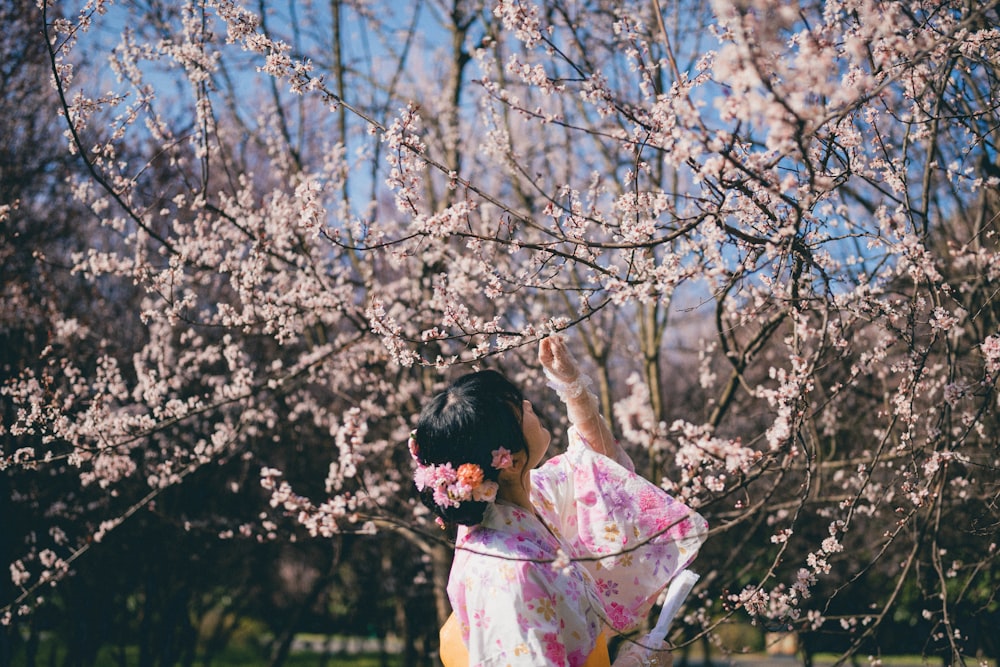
454,653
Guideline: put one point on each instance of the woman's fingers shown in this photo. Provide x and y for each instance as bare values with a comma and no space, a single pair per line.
556,358
545,355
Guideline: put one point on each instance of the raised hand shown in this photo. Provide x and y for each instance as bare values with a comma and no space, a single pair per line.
557,360
572,387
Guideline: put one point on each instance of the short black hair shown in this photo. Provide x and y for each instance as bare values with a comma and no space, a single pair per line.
476,415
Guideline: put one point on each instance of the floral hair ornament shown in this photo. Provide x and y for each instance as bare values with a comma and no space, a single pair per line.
502,459
451,487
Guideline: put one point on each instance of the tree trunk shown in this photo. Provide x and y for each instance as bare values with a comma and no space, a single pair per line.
281,646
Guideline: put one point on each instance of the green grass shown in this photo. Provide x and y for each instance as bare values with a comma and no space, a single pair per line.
52,653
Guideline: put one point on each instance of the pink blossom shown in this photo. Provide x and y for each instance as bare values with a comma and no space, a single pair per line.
502,458
991,351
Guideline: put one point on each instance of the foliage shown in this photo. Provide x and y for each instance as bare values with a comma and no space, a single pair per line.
769,227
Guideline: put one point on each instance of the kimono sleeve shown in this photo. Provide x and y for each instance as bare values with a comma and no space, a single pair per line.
631,535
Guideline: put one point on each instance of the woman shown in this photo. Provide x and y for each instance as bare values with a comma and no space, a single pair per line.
546,558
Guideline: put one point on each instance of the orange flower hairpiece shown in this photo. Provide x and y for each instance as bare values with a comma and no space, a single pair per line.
451,487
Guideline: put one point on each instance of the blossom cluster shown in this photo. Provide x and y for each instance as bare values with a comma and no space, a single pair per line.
452,486
805,203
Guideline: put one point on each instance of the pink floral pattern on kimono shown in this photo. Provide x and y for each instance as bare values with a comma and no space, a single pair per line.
521,592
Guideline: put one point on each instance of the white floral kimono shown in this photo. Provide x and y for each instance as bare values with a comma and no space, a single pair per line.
538,592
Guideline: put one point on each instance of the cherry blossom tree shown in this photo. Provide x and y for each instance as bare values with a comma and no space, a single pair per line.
769,228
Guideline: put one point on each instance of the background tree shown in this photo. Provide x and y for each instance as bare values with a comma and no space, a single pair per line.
768,227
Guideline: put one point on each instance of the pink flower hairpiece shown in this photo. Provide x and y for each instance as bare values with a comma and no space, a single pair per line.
502,459
451,486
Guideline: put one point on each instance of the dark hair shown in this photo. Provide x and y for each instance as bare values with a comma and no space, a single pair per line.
465,423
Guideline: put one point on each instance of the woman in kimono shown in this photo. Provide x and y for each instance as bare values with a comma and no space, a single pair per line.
548,558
